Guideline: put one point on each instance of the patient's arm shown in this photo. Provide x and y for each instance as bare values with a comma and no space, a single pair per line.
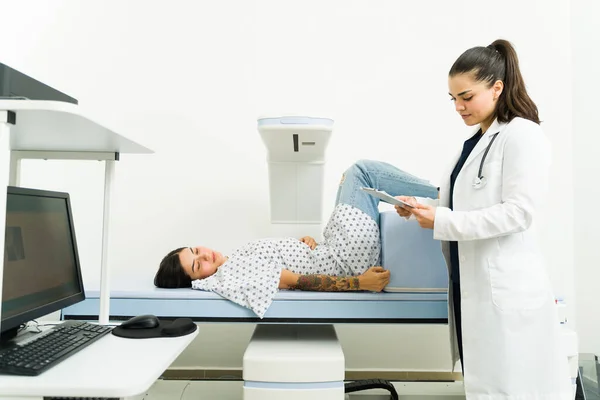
374,279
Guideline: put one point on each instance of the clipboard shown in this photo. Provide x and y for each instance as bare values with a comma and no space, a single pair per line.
382,195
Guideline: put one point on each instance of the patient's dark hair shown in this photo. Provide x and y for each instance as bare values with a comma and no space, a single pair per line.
170,274
499,61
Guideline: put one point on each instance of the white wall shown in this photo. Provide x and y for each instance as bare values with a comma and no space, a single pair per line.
189,78
586,122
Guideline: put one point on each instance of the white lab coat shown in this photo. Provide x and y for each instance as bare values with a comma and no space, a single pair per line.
510,327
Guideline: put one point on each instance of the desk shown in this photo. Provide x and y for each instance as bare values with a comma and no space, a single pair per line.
37,129
111,367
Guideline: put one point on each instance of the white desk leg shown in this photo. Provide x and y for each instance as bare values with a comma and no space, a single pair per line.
4,174
14,178
104,267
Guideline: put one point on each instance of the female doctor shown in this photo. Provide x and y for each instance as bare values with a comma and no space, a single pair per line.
502,316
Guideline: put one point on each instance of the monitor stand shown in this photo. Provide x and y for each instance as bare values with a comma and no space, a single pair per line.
16,335
7,336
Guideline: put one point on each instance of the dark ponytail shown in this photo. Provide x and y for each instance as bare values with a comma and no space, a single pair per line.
499,61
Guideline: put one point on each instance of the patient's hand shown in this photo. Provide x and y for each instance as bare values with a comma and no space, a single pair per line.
309,241
403,212
374,279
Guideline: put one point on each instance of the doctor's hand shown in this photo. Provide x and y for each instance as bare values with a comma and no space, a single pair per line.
374,279
425,215
309,241
405,212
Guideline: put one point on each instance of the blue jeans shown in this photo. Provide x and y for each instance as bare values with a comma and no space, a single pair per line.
380,176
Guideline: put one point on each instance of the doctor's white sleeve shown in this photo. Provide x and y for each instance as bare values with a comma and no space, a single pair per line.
524,182
428,201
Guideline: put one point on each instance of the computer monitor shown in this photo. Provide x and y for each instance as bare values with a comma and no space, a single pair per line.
41,263
17,85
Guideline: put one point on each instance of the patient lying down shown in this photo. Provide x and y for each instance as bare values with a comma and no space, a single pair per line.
346,260
252,275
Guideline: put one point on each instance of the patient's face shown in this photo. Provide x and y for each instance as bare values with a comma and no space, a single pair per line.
200,262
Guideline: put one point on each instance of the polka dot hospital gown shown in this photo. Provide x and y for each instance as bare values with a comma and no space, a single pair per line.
251,276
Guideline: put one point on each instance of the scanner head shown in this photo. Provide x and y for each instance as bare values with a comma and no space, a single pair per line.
296,154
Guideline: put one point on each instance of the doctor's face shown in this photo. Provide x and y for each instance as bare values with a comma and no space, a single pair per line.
200,262
474,101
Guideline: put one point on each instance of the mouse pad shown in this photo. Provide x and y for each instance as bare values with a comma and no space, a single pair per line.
178,327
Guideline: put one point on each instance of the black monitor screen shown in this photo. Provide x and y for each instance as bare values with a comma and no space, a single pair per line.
41,264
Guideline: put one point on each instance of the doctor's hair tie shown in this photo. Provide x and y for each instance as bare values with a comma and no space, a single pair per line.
492,47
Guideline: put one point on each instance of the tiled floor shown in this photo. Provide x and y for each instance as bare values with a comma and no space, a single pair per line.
232,390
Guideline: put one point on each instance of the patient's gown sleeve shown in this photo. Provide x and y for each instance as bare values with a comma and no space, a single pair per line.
249,278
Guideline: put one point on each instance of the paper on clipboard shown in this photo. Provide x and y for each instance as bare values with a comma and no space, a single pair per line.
382,195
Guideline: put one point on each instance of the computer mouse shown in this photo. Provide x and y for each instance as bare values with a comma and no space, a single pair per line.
141,322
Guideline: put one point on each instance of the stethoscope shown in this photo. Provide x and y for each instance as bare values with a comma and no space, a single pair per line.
480,180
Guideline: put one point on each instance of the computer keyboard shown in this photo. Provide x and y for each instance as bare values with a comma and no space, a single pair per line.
40,354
